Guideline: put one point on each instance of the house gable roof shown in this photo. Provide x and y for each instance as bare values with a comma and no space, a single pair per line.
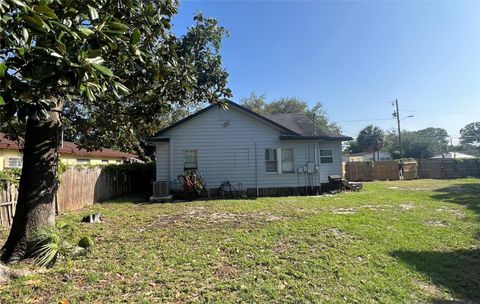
295,126
70,148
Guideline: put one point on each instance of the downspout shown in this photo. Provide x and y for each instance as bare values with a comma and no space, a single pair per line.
317,174
256,169
170,147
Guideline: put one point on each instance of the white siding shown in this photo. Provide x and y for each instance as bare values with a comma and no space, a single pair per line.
231,147
334,168
163,160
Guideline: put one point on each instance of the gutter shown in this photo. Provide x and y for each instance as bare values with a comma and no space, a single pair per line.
323,137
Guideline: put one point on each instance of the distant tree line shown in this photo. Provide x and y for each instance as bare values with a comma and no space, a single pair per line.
419,144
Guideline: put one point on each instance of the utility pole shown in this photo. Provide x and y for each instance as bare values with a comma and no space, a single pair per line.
397,114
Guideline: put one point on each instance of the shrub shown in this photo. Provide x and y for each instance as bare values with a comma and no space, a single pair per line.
192,182
53,242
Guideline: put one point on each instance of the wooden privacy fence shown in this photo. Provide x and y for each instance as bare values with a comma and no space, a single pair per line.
380,170
8,203
86,186
449,168
80,187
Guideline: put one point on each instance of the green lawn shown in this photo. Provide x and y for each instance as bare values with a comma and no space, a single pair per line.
393,242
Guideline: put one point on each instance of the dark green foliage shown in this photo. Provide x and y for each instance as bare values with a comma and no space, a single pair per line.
52,242
86,242
117,67
419,144
10,175
470,134
140,175
353,147
371,139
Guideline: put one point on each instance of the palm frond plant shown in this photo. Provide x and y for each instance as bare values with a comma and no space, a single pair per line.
52,242
49,243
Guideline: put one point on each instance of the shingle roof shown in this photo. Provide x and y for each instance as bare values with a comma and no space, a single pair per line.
70,148
301,124
294,126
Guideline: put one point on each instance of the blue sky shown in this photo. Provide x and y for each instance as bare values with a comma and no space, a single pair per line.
355,57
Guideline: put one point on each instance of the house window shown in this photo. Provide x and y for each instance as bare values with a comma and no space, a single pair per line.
190,160
271,164
119,162
326,156
287,161
104,161
83,161
15,162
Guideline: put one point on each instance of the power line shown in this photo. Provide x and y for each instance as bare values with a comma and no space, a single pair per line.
439,112
359,120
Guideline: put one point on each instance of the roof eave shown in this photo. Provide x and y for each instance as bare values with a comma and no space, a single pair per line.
153,140
316,137
230,103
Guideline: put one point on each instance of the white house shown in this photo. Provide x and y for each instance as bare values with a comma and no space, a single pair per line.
453,155
251,151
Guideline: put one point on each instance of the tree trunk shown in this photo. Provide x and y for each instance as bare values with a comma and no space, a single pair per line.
38,185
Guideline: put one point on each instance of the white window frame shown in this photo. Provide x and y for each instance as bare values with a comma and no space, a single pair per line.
185,167
293,161
80,161
279,157
276,158
329,156
105,162
18,162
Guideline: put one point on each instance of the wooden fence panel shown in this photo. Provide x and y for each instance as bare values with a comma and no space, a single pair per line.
386,170
80,187
380,170
8,203
449,168
359,171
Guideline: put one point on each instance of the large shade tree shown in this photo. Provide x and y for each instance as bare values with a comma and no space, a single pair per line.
470,134
370,139
106,70
418,144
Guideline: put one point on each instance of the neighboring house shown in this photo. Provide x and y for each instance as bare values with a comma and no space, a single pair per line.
367,156
11,156
453,155
249,150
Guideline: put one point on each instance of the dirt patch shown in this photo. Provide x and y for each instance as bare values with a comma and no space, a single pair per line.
344,211
312,243
226,272
409,189
406,207
337,233
376,207
459,214
436,223
203,216
430,288
7,273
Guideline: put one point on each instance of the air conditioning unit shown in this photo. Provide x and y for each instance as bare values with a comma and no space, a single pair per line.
161,188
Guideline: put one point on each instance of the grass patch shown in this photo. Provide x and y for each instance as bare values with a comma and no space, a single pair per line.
403,241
